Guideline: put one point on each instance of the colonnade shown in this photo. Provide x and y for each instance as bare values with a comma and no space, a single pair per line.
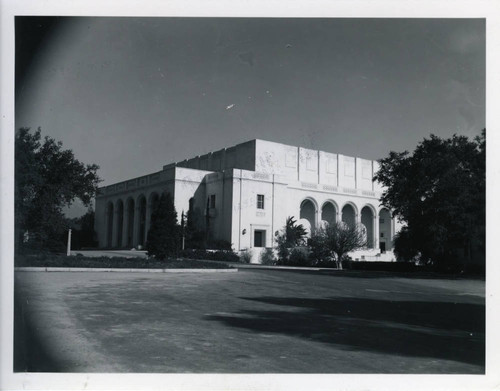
378,223
128,222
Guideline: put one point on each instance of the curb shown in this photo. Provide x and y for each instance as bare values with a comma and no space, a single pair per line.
315,269
279,267
117,270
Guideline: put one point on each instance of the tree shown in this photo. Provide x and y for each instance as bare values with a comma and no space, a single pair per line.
47,178
195,237
438,192
86,234
82,230
164,235
335,240
292,235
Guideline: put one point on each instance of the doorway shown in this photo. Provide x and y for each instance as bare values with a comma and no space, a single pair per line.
259,238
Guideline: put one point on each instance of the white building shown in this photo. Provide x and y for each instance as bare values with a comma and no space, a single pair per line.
251,189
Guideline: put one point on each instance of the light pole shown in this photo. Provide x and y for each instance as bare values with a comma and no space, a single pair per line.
182,229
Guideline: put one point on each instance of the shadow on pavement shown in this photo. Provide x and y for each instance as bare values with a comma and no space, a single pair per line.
30,353
376,274
440,330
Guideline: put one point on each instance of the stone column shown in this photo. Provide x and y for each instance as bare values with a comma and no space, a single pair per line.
376,232
125,226
137,223
149,209
108,223
114,238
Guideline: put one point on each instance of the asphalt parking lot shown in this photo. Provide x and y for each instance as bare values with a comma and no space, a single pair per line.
252,321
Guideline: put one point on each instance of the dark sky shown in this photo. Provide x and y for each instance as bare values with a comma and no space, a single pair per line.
133,94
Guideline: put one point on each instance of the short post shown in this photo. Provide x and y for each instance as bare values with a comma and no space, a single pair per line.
68,252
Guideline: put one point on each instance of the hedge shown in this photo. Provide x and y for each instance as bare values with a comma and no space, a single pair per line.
56,260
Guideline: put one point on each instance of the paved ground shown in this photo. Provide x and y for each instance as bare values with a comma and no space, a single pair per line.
252,321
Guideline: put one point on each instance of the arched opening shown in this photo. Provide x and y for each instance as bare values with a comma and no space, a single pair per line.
367,217
119,224
349,215
109,224
142,220
130,219
385,229
308,212
328,213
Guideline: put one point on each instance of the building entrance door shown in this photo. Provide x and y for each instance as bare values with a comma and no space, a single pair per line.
382,247
259,238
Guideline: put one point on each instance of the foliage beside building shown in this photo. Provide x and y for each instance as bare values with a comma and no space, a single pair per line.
439,193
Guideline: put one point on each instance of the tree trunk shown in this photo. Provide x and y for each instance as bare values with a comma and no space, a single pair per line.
339,261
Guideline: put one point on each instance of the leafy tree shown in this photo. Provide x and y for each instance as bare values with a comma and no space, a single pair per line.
47,178
83,234
195,237
438,192
292,235
405,246
336,240
164,235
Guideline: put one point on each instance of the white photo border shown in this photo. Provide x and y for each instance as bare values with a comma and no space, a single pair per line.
489,9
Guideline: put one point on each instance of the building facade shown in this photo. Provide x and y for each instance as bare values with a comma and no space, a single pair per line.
248,191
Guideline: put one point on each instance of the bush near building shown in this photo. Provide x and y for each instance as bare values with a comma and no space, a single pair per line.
54,260
218,255
267,257
164,236
245,256
325,248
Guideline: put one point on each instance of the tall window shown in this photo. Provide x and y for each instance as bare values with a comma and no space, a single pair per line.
212,201
259,238
260,201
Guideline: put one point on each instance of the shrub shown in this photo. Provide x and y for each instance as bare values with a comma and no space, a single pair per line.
245,256
54,260
320,253
223,255
267,257
299,256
